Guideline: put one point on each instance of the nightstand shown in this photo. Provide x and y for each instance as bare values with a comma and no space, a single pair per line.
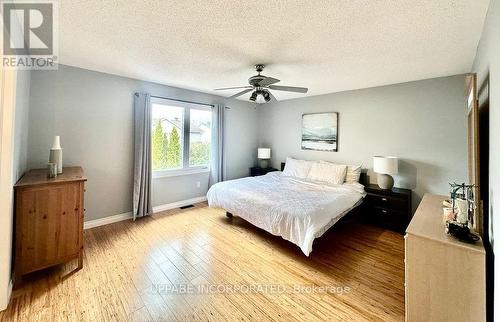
389,209
258,171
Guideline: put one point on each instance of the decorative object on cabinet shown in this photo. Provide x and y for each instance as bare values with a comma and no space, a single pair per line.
52,170
461,232
264,155
48,220
55,155
320,132
463,203
384,167
462,206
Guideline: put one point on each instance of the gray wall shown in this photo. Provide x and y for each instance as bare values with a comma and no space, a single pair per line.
93,114
21,124
487,67
423,123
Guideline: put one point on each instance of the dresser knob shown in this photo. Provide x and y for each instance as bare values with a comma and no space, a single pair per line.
384,211
384,199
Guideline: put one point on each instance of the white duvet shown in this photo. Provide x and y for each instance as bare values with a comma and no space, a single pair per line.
294,209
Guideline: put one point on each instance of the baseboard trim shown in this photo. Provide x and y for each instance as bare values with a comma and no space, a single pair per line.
178,204
128,215
107,220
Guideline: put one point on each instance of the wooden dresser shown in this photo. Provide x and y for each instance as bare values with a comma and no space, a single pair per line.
444,278
48,220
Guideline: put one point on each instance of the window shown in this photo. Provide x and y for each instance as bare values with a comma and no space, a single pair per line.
166,139
200,133
180,137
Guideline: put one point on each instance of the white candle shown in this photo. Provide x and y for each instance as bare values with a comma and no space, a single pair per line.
462,215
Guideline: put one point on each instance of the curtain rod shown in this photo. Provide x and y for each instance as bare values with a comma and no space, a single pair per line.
183,101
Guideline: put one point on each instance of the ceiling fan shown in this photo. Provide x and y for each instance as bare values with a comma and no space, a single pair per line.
260,85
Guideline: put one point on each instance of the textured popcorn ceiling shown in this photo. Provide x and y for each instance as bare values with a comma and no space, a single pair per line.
328,45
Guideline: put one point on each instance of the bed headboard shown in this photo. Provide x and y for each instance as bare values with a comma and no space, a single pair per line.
363,178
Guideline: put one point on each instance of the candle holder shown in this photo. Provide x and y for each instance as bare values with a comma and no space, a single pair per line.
462,199
462,206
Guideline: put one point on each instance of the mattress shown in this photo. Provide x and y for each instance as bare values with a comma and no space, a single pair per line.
297,210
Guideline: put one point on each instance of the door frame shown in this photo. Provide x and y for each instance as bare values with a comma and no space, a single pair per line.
8,78
473,161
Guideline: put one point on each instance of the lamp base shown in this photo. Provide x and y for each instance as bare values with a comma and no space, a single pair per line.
264,163
385,181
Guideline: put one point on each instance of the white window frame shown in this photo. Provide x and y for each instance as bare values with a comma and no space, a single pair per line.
186,169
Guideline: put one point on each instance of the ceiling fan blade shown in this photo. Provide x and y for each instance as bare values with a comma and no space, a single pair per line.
268,81
224,88
289,88
273,98
241,93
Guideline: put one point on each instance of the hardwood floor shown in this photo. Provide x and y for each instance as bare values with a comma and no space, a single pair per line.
131,271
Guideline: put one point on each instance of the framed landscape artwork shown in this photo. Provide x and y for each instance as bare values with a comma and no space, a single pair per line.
319,131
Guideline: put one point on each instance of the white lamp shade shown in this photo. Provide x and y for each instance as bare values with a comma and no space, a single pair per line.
264,153
385,165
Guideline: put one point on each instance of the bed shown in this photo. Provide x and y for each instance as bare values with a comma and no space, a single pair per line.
297,210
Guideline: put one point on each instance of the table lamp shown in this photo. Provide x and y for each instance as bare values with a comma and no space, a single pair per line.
385,166
264,154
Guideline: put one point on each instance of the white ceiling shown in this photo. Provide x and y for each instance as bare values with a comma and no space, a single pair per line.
326,45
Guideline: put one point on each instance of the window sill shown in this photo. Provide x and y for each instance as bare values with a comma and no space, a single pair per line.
180,172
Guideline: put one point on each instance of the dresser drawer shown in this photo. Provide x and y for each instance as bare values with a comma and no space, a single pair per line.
387,202
389,218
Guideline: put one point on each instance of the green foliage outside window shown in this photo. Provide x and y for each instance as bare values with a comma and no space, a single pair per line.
167,149
199,153
159,145
174,155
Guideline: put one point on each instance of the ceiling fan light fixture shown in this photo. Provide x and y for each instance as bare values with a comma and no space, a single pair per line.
266,95
253,97
260,85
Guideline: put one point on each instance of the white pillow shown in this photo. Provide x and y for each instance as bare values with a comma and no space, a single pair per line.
297,168
328,172
353,173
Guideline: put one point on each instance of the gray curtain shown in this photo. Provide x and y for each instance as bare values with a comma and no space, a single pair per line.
217,151
142,155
